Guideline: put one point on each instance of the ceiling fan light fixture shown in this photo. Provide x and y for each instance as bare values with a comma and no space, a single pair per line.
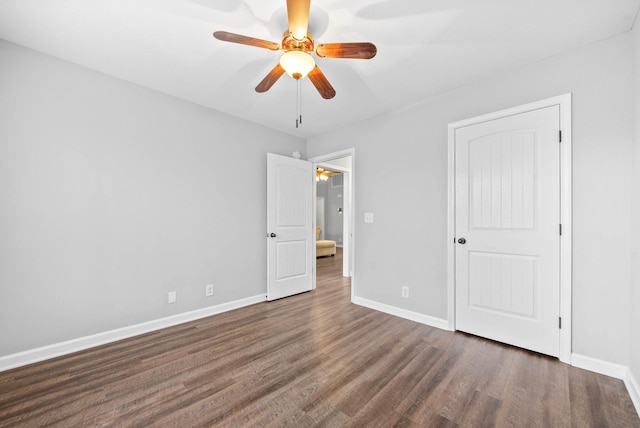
297,64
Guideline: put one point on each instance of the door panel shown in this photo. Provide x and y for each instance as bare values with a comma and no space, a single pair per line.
508,212
291,259
504,283
502,168
290,232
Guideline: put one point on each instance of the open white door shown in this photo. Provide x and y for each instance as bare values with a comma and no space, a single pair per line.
507,228
290,229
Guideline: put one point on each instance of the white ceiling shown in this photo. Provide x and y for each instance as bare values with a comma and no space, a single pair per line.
425,47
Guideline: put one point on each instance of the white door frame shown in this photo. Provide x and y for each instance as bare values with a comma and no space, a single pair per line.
564,102
349,220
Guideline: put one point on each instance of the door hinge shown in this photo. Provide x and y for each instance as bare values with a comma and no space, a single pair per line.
560,136
560,323
560,229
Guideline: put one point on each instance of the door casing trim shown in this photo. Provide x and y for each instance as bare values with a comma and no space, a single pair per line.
564,102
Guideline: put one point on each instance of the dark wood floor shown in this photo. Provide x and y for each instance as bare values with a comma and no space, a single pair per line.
310,360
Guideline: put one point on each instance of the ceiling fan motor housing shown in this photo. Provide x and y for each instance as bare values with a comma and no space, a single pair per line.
290,43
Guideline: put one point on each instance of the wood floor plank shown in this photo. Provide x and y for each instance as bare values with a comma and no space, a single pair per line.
310,360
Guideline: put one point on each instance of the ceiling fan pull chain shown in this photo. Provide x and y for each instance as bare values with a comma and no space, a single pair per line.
298,114
299,102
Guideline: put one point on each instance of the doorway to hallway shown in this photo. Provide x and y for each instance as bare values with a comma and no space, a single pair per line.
342,162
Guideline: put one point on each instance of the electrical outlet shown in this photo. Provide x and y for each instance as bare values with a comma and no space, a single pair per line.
405,292
172,297
208,290
368,217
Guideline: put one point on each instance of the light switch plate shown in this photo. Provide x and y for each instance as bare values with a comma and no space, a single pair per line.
172,297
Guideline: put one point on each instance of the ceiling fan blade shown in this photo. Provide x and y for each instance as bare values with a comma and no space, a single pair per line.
298,14
270,79
347,50
246,40
321,83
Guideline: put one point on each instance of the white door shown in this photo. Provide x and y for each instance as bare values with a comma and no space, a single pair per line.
290,230
507,221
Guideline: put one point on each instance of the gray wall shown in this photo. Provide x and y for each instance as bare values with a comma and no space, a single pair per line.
112,195
322,191
401,177
635,284
334,197
335,200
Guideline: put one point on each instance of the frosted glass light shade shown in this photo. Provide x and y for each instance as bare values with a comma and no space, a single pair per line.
297,64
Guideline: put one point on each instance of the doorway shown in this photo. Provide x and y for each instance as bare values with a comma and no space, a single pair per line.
342,162
510,226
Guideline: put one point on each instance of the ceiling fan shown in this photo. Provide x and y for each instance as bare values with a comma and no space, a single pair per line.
324,174
298,46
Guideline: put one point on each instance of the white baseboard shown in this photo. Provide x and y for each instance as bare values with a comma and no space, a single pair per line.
606,368
402,313
63,348
599,366
634,389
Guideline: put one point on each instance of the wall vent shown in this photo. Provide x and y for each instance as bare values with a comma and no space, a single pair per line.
337,180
